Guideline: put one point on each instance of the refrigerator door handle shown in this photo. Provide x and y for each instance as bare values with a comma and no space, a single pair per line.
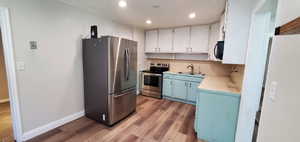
125,65
128,63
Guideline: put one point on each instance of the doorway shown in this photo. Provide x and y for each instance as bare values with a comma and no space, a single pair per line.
6,129
262,30
12,111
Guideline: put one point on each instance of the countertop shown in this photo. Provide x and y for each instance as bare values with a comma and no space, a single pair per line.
220,84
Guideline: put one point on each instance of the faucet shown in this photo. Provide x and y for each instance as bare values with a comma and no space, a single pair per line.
191,67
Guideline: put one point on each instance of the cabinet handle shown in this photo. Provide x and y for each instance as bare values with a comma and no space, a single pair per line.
190,85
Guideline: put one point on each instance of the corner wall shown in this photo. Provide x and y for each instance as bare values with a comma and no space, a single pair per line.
51,86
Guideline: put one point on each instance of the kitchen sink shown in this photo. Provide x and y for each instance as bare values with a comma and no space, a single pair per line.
188,73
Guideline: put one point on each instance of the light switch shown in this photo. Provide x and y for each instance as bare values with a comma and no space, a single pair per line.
20,65
273,90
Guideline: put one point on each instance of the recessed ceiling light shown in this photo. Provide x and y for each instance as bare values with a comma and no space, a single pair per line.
149,22
122,3
156,6
192,15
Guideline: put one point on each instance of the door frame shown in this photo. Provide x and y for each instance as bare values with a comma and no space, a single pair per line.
262,29
9,58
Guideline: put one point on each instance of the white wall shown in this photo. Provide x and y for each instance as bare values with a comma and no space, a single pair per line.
51,86
288,10
280,112
140,37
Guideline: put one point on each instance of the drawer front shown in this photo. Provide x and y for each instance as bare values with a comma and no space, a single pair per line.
186,78
168,76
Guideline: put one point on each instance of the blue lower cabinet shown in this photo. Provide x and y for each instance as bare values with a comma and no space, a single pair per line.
192,91
216,116
180,89
167,87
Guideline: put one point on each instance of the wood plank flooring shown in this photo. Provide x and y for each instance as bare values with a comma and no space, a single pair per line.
6,131
154,121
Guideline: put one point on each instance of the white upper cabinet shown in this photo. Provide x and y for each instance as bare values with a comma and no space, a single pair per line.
182,40
237,26
199,39
165,40
222,28
151,43
214,37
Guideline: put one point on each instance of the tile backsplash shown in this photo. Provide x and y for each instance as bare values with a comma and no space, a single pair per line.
236,72
237,75
206,67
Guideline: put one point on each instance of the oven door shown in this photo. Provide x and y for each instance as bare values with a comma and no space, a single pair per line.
152,85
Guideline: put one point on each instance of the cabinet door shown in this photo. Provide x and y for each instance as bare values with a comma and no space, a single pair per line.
192,91
151,44
237,26
213,39
167,87
165,40
180,89
199,39
181,40
220,112
222,28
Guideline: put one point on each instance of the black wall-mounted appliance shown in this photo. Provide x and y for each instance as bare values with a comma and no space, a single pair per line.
219,50
94,31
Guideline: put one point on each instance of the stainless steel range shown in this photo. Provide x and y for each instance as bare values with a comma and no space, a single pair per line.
152,80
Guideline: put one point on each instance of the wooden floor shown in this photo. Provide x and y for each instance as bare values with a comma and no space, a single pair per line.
154,121
6,132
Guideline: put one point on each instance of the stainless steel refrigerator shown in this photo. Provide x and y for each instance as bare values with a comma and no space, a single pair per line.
110,78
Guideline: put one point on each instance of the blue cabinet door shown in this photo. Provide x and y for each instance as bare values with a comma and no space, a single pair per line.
180,89
167,87
217,116
192,91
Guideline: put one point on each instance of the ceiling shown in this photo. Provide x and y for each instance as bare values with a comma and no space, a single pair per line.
171,13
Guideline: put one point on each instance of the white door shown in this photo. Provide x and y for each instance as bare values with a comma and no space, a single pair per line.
280,112
151,45
199,39
165,40
182,40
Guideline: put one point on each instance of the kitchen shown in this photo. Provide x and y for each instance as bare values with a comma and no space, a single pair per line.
187,62
130,70
200,65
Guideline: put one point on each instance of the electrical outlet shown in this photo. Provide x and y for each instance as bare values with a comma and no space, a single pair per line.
103,117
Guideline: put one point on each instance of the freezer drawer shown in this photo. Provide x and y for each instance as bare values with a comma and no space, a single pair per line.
121,105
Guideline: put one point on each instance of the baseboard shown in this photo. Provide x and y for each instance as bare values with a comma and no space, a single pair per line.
4,101
50,126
